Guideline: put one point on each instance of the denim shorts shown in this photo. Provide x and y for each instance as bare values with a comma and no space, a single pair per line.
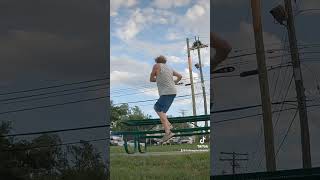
164,102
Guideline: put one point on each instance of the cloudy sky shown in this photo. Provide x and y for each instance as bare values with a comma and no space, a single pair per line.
142,30
51,43
232,20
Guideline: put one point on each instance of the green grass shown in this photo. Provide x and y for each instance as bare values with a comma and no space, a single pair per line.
167,167
164,148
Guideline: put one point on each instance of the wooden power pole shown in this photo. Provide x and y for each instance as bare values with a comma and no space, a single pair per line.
264,86
234,160
305,139
197,45
191,81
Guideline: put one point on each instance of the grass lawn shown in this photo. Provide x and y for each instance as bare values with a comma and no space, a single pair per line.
159,148
193,166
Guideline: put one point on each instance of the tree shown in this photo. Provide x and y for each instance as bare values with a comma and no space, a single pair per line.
118,113
9,163
125,113
87,163
43,158
47,158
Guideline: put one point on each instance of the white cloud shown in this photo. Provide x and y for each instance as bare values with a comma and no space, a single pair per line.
166,4
172,36
155,49
124,70
182,102
175,60
132,27
186,75
141,19
196,12
151,92
204,54
196,20
121,76
115,5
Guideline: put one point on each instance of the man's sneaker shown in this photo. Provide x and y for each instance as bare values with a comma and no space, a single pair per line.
166,137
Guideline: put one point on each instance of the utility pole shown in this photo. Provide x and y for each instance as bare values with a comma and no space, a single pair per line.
198,45
191,81
183,112
234,160
264,86
305,139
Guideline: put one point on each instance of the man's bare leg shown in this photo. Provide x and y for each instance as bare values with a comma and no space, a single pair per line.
164,120
166,125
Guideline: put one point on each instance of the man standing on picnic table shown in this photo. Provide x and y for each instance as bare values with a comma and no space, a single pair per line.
163,75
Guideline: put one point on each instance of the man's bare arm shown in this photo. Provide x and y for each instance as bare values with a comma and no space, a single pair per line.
179,77
222,47
154,73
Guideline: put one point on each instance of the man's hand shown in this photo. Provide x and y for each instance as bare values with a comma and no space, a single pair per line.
179,77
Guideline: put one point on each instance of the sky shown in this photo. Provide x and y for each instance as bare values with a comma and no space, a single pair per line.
142,30
51,43
232,20
58,42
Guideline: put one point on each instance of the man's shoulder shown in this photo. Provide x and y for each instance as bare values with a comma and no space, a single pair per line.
157,65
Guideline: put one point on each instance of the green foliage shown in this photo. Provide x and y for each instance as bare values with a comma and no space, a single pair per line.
44,159
125,113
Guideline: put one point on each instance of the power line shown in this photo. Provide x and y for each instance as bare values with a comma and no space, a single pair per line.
147,100
56,131
53,92
55,86
148,90
176,100
249,116
286,94
59,95
145,86
52,105
53,145
287,132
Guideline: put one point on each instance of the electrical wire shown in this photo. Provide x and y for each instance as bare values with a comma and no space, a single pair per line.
287,132
55,86
52,105
148,100
55,131
53,92
59,95
14,149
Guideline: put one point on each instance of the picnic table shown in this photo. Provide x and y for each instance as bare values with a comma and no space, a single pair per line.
139,136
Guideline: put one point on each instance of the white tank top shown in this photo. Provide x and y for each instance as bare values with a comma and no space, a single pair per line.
165,82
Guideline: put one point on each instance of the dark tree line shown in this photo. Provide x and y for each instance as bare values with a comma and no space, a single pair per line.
43,158
124,113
